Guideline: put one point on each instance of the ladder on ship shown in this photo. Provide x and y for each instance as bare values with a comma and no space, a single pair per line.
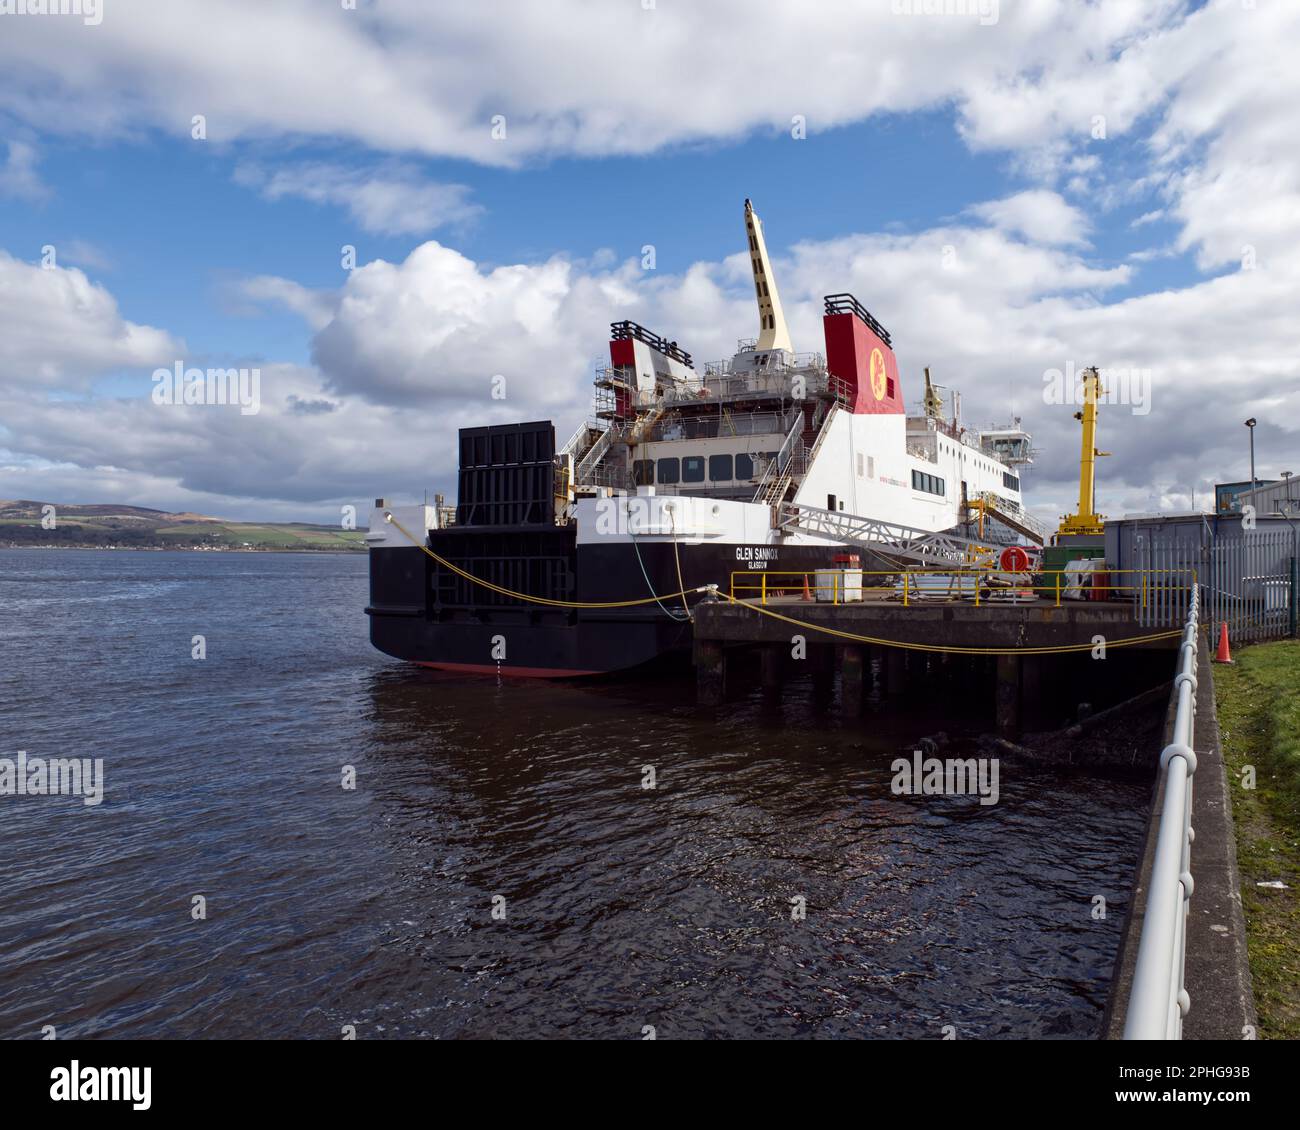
590,459
906,543
801,444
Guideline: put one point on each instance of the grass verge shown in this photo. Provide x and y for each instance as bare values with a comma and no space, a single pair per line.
1258,703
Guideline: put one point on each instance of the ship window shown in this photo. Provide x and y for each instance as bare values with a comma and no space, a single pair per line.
744,467
859,464
931,484
1010,481
693,469
643,472
669,470
871,466
720,468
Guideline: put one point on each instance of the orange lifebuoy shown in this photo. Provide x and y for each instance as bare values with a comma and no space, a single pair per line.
1013,559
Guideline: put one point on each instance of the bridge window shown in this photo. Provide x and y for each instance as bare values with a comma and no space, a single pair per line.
693,469
643,472
744,467
931,484
669,471
720,468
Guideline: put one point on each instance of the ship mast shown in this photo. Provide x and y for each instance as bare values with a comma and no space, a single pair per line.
773,333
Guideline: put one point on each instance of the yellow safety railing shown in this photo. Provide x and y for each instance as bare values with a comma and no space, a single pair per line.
967,582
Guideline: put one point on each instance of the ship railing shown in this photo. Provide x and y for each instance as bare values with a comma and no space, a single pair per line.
717,426
811,360
791,384
776,466
840,390
592,458
608,475
1158,999
934,423
576,443
627,329
847,304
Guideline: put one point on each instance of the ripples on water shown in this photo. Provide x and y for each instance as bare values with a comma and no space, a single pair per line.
626,907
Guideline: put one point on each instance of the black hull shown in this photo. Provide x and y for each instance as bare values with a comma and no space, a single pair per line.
422,613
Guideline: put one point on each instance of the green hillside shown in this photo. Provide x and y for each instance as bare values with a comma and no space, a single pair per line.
137,527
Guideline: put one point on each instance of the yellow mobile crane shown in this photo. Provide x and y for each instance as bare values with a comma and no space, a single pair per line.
1086,520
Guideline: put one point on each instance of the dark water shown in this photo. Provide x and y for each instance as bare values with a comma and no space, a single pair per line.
625,907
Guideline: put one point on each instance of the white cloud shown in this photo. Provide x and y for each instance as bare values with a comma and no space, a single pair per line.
83,253
568,76
18,176
315,307
1039,215
197,456
390,200
60,330
1211,89
438,327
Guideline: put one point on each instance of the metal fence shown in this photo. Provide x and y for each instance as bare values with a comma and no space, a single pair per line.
1249,584
1158,1000
1247,579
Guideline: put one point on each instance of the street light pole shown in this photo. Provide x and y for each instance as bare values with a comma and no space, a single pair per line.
1251,425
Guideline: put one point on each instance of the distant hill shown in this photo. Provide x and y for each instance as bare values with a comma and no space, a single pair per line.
104,525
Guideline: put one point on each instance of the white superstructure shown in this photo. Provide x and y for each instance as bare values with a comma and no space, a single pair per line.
769,429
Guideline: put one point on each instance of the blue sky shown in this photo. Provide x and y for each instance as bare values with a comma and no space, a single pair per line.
923,134
171,231
175,229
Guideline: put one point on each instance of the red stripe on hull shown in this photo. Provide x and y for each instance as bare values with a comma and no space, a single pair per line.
514,672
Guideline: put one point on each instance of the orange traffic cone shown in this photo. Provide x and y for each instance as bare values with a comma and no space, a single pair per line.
1224,655
807,594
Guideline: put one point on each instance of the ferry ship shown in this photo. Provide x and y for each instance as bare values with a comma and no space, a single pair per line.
773,460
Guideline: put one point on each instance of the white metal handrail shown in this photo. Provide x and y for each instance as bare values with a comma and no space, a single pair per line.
1158,1000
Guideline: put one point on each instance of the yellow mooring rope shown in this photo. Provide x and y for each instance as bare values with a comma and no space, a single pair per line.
1054,650
852,636
537,599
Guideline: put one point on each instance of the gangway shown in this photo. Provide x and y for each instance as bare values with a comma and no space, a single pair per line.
991,506
927,547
